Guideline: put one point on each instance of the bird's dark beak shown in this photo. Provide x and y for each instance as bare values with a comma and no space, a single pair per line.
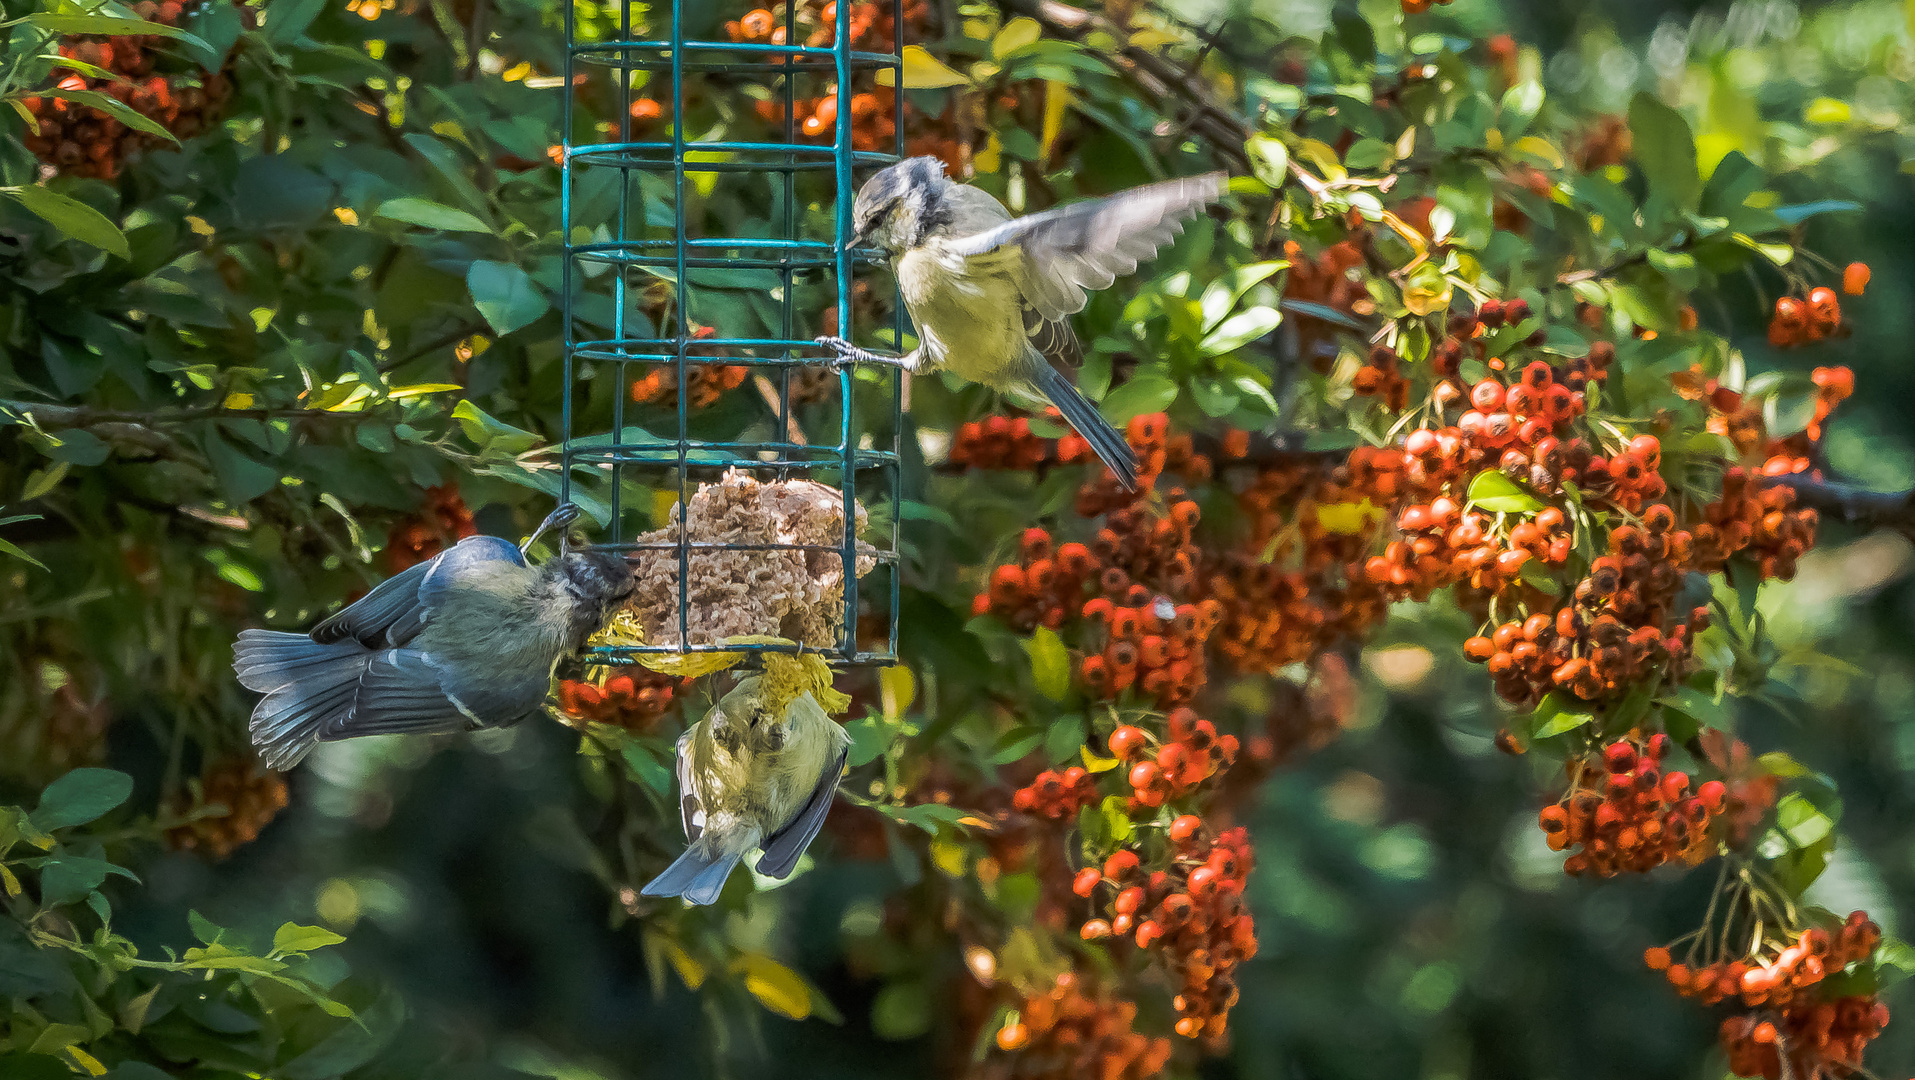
859,238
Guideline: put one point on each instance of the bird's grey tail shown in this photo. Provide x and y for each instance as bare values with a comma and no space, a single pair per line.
307,686
1084,417
697,877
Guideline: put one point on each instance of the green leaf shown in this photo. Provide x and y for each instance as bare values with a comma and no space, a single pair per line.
1326,313
294,938
1827,110
1144,393
109,25
288,19
1015,744
427,214
1521,103
1562,722
243,478
117,109
868,740
1117,824
1796,213
73,218
1239,330
351,1044
67,878
9,548
1064,740
1222,294
81,796
490,433
1050,663
1801,820
451,167
1666,149
1269,159
1497,493
505,295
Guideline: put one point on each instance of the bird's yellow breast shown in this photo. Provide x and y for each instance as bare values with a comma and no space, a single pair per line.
968,313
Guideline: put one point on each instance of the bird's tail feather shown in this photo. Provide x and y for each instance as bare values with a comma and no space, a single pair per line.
696,876
307,685
1084,417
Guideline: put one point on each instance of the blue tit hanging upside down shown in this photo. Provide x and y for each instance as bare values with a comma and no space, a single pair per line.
749,777
992,295
463,641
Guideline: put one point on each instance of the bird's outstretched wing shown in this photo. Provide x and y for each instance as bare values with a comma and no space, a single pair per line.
691,811
784,846
1053,338
1077,249
396,609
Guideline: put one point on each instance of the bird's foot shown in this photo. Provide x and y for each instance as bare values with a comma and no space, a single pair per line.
847,355
559,519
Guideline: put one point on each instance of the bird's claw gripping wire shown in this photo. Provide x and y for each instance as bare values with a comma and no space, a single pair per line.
847,355
560,519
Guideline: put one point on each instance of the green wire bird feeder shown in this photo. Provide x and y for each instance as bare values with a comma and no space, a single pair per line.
699,269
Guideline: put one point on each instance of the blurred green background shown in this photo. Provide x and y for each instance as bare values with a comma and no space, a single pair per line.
1412,922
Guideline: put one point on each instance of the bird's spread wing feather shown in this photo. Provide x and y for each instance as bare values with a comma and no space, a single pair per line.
691,813
367,619
1083,247
397,608
1054,338
400,693
784,847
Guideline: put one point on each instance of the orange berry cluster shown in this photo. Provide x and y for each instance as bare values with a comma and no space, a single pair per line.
1191,753
707,384
1324,279
79,140
1071,1034
1163,657
632,701
1611,635
873,117
1418,7
417,537
1605,141
1044,589
1192,912
999,442
1783,978
1822,1040
1799,322
1382,377
251,794
1057,795
1158,452
1627,815
1760,520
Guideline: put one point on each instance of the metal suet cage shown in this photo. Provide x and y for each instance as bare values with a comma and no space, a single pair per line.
707,265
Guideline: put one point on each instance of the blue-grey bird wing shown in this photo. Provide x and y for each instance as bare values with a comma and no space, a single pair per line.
1077,249
784,847
691,812
403,691
1053,338
398,607
367,619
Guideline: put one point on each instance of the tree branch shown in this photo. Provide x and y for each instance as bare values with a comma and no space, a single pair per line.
1158,79
1893,510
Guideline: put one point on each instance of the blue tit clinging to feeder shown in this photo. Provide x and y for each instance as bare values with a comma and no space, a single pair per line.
465,640
992,295
752,775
